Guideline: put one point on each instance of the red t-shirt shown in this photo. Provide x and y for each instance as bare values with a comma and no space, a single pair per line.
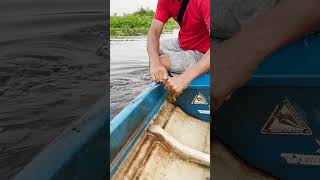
194,32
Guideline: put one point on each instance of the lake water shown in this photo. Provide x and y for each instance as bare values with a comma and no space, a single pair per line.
53,67
53,63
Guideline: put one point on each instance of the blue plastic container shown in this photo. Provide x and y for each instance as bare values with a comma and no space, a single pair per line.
274,122
195,100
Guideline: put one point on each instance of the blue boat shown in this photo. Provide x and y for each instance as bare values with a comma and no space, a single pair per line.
273,123
159,138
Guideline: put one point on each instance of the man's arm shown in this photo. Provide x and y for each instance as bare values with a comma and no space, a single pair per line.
200,68
158,72
237,58
180,82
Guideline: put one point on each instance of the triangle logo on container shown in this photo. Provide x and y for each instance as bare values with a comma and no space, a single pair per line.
199,99
285,120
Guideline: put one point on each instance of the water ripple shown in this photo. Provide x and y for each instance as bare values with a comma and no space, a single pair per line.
46,83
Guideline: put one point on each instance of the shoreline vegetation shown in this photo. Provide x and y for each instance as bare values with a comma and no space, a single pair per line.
137,23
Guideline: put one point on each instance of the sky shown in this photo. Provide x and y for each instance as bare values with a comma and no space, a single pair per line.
128,6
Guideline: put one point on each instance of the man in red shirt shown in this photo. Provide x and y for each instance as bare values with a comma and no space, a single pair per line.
189,55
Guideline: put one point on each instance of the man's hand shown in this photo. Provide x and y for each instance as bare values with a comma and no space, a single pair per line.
158,73
177,84
230,71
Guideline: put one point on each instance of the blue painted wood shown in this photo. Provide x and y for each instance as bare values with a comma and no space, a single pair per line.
290,74
78,153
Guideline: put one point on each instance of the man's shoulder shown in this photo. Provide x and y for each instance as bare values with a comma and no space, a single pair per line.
166,2
167,5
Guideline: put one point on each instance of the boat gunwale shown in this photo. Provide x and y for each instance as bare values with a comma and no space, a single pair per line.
124,114
119,119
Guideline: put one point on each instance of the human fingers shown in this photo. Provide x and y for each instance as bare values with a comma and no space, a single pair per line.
156,77
153,77
160,76
165,77
169,86
176,89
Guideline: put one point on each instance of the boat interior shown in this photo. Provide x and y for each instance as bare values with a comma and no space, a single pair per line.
173,145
